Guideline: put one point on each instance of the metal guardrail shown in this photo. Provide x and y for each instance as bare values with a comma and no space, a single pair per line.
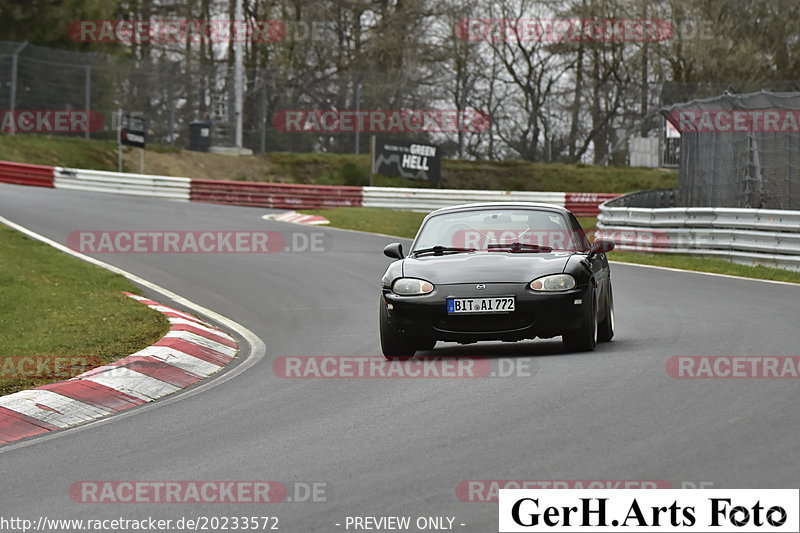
121,183
280,195
426,200
767,237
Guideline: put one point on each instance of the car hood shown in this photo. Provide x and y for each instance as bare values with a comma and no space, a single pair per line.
485,267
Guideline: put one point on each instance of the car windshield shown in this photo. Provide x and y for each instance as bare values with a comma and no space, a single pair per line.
501,229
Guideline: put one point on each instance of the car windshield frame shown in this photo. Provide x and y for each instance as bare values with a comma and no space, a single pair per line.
567,224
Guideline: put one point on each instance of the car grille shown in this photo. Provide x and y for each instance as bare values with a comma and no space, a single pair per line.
482,323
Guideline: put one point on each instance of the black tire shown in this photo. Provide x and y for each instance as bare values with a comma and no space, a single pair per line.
605,329
393,344
584,339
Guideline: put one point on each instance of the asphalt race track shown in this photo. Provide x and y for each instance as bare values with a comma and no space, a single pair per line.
400,446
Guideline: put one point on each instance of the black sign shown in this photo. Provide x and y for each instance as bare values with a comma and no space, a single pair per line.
133,130
406,159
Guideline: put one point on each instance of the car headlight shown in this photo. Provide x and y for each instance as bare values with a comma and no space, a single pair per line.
411,286
557,282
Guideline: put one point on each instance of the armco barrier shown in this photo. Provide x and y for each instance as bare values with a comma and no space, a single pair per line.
120,183
24,174
274,195
279,195
426,200
750,236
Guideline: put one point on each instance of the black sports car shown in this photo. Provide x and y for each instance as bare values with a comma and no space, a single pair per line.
497,271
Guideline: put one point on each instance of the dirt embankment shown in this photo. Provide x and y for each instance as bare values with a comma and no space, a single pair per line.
202,165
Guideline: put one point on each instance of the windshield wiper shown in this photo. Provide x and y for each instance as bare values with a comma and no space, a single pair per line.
520,247
440,250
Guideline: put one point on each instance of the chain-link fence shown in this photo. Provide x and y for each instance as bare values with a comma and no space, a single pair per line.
170,94
739,150
173,94
32,77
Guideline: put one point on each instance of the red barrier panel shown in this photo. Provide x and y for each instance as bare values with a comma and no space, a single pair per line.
275,195
24,174
586,204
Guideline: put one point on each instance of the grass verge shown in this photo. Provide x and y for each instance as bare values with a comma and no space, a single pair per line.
706,264
63,314
59,151
373,219
406,223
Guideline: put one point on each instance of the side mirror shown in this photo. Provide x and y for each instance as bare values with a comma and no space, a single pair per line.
394,250
601,246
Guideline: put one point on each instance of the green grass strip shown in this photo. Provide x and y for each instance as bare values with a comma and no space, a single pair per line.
54,305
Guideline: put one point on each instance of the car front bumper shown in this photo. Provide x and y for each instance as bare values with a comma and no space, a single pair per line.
536,314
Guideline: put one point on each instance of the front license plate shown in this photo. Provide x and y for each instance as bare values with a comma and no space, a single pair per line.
499,304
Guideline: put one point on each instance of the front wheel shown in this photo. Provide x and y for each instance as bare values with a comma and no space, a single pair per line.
605,330
584,339
393,344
